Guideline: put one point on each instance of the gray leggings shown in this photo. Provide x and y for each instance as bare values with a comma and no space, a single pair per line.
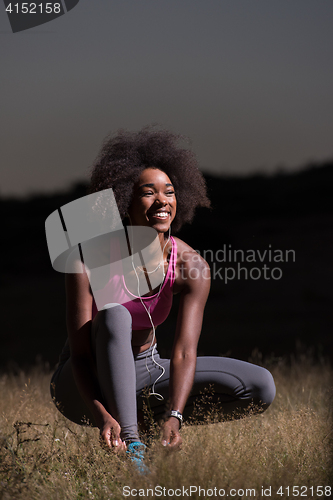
124,378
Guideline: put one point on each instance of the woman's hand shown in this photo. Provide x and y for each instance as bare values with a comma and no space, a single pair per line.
193,283
171,437
110,434
79,318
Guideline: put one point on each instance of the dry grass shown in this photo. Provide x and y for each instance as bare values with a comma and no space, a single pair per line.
43,456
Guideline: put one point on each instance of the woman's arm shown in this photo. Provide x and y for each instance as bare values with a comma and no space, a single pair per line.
194,282
79,317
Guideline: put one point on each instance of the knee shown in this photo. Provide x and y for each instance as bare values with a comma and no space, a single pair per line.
116,313
114,318
265,388
115,310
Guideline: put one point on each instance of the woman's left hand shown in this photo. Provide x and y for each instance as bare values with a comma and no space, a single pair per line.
171,437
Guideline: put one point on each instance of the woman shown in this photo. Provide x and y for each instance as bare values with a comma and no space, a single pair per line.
111,358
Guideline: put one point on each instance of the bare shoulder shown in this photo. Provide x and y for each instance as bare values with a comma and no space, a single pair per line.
192,271
74,264
186,254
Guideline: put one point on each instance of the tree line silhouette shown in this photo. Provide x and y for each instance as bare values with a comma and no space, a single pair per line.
285,211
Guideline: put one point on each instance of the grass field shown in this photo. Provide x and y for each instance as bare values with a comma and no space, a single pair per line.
44,456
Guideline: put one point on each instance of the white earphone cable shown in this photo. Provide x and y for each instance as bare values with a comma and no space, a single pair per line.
152,393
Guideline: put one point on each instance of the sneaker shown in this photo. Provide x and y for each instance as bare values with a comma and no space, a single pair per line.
136,453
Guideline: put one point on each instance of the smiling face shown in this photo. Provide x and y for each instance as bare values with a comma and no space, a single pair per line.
154,201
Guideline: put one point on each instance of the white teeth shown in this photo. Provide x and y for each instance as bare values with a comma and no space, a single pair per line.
160,214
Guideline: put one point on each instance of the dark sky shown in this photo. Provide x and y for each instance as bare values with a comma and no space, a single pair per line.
250,82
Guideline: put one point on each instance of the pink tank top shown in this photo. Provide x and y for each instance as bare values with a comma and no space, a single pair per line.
159,304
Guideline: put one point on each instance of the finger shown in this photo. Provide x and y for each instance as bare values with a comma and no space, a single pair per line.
117,443
166,437
115,437
166,431
123,446
176,442
105,439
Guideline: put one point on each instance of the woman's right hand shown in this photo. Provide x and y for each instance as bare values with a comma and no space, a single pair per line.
79,318
110,434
